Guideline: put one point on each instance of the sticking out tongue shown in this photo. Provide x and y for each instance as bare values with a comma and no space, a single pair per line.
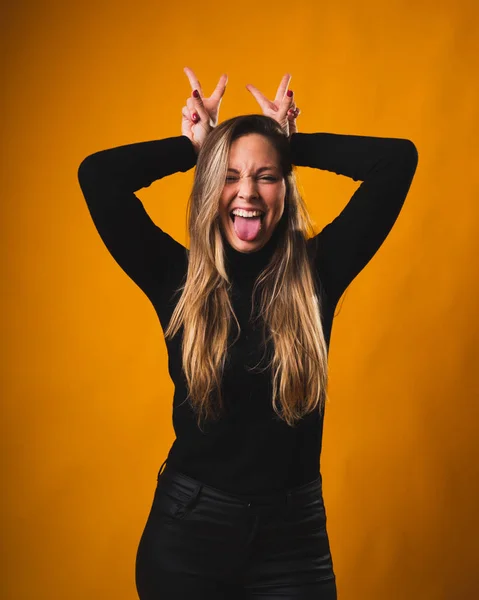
247,228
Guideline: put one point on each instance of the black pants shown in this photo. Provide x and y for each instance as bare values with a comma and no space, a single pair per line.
202,543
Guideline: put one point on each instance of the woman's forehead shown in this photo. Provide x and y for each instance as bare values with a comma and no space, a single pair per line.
253,150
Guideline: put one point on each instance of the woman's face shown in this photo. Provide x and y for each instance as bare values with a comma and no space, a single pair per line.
254,182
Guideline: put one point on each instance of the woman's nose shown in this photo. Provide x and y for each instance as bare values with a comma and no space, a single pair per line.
247,188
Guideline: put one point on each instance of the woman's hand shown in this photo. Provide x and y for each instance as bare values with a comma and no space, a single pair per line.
282,109
200,114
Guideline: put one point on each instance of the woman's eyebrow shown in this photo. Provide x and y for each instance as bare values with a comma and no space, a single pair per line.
260,170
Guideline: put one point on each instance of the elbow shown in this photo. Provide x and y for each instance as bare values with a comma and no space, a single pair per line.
88,169
83,168
406,156
409,152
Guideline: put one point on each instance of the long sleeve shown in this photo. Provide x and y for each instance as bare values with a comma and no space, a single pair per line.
386,166
108,180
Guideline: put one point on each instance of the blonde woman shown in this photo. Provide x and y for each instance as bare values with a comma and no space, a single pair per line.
247,314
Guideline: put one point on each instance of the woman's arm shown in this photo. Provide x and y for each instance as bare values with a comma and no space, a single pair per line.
108,180
386,166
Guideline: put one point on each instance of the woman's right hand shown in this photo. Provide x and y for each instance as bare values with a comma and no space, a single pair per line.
200,114
282,109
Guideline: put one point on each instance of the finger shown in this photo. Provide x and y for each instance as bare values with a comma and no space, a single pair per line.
292,117
195,84
293,111
283,86
220,88
285,104
187,114
292,108
261,99
292,120
199,107
195,117
191,113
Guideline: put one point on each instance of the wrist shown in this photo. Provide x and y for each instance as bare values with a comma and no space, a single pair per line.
203,135
195,145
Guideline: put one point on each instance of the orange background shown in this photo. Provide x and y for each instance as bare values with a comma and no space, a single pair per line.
87,399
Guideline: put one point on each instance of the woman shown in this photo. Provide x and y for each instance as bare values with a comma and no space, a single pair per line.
247,313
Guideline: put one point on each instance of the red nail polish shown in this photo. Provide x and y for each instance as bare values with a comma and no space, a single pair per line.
196,94
290,93
195,116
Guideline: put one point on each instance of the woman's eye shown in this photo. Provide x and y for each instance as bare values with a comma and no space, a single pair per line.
230,179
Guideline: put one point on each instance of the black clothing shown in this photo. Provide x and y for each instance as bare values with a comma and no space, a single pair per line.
200,542
250,450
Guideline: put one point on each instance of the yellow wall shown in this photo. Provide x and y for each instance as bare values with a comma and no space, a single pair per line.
86,394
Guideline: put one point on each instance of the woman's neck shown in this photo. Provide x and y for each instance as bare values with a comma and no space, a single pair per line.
241,265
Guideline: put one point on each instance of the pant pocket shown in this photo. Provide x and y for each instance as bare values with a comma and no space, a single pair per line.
174,502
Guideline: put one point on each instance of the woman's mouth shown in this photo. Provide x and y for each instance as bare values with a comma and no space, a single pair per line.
247,228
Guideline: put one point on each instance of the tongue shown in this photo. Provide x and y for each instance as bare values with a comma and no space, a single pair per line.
247,228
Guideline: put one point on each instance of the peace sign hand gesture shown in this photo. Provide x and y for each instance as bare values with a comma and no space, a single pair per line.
282,109
200,114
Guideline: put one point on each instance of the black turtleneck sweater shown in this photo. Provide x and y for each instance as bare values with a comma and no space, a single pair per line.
249,450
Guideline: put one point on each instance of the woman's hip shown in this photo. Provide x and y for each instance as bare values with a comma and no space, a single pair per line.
277,539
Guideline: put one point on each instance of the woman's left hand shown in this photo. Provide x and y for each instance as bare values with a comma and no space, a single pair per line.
282,109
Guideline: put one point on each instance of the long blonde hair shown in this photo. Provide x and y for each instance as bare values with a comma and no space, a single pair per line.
289,303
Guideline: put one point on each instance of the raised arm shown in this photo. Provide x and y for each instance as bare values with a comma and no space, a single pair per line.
109,178
386,166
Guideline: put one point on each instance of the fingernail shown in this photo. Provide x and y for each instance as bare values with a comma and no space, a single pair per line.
290,93
195,116
196,94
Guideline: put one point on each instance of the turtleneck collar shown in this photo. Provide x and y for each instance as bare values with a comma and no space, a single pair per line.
247,265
